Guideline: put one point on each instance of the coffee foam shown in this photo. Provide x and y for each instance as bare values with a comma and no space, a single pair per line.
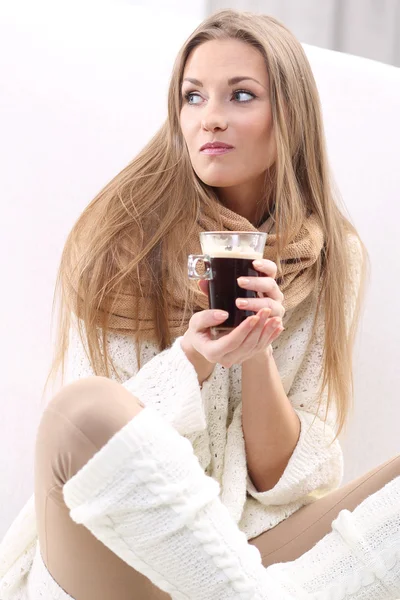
235,254
219,251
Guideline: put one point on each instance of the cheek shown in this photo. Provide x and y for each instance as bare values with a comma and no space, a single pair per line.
258,143
187,128
259,131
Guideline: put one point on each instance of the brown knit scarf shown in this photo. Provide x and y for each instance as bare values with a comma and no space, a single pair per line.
296,279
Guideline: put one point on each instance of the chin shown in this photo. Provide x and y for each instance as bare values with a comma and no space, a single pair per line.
219,180
218,183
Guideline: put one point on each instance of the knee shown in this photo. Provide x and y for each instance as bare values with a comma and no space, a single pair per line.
96,406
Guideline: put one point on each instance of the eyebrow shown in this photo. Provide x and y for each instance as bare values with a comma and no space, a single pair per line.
231,81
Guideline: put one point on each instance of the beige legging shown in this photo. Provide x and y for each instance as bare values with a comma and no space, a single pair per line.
80,419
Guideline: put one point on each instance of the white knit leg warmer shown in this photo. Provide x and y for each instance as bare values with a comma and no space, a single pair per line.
359,559
145,496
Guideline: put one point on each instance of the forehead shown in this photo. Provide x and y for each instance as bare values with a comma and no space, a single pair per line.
225,59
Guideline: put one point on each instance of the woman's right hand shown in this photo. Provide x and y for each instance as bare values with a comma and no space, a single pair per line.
249,338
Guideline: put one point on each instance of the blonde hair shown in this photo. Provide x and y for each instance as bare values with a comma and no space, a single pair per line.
143,219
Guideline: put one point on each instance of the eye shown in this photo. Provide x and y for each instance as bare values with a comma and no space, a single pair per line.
192,98
243,96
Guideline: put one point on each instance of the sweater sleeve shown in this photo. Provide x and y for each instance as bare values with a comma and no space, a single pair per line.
316,465
169,384
167,381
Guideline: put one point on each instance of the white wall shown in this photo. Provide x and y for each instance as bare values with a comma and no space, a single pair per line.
369,28
194,8
82,88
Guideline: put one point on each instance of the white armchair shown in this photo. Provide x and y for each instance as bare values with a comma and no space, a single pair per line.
360,100
82,90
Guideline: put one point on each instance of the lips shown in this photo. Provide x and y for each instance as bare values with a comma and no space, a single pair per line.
216,148
215,145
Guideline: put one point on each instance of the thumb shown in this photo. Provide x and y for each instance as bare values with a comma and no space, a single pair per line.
208,318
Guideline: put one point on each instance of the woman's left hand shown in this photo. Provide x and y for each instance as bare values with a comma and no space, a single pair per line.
269,294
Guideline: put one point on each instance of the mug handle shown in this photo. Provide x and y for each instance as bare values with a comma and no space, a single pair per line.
193,259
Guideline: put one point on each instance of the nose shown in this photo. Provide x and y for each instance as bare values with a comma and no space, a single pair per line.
213,120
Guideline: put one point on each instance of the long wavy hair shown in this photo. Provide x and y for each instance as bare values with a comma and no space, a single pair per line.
143,218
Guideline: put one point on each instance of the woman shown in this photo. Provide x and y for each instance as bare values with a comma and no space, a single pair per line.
151,489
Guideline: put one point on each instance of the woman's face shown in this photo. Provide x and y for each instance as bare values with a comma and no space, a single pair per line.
225,94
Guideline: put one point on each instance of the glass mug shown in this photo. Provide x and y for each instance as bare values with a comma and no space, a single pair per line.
228,255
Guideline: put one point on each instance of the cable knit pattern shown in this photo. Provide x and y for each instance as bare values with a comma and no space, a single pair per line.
169,488
160,513
360,559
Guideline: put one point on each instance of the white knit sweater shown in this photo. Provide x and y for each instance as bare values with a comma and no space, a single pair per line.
210,418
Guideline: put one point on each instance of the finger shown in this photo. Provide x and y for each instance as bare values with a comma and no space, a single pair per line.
265,285
278,331
232,341
203,286
256,304
207,318
266,266
250,343
272,330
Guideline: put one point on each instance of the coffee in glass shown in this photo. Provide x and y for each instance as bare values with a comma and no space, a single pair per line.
228,255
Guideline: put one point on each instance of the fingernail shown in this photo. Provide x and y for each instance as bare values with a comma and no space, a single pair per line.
221,314
244,281
257,263
242,302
